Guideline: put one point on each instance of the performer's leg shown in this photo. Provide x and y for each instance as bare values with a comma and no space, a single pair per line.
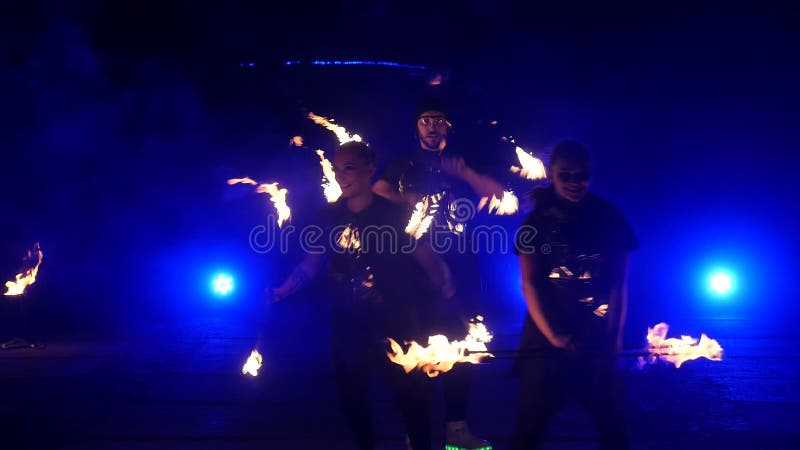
600,391
412,394
543,389
351,371
456,386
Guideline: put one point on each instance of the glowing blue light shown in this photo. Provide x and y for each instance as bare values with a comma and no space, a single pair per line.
721,283
223,284
359,63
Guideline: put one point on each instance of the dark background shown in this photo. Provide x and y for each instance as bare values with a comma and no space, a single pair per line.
121,121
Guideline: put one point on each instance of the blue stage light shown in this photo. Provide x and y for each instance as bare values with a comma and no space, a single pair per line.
222,284
721,283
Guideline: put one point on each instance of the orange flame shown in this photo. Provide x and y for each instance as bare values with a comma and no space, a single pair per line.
27,277
505,206
252,364
245,180
440,355
601,310
276,195
422,217
330,188
677,351
350,239
296,141
532,167
341,133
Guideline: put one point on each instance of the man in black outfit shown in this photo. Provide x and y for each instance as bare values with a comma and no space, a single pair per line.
434,168
573,251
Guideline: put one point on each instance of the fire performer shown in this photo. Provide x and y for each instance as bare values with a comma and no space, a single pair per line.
432,169
383,281
573,251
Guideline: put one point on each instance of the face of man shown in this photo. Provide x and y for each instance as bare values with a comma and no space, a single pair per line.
570,180
432,127
352,173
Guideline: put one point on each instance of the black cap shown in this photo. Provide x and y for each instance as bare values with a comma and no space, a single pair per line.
430,104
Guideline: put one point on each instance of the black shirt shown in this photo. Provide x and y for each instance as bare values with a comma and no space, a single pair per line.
578,251
450,234
371,262
421,172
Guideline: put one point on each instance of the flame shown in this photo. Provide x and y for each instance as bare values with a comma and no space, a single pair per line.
440,355
677,351
422,217
330,188
296,141
27,277
436,80
252,364
276,195
340,132
505,206
601,310
532,167
350,239
245,180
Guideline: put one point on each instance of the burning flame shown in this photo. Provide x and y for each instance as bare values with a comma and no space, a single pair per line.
422,217
276,195
440,355
252,364
340,132
350,239
505,206
532,167
245,180
27,277
330,188
601,310
296,141
677,351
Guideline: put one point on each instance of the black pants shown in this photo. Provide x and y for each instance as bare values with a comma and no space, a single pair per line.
548,381
356,359
449,318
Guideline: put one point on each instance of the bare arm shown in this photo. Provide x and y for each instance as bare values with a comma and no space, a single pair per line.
300,276
528,268
483,185
387,191
618,305
436,268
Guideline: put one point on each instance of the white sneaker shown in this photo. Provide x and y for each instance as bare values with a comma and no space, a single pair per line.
459,438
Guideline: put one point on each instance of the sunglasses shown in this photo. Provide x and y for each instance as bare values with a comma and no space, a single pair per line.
577,177
438,121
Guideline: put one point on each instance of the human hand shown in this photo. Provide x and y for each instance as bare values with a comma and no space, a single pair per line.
561,341
454,166
274,295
